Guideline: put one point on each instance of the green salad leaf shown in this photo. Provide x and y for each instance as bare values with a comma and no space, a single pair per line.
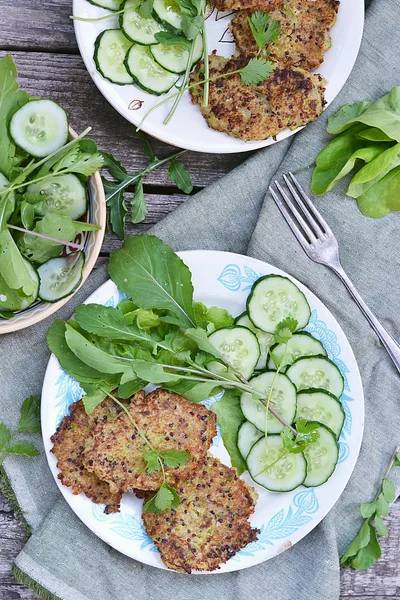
230,418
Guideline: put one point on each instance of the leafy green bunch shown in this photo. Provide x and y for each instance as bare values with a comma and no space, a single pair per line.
367,144
365,550
29,422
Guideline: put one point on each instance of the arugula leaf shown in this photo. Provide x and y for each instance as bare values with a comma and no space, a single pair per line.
150,273
40,250
263,28
138,204
29,421
256,71
27,214
116,169
23,447
115,199
199,336
284,330
11,100
230,418
195,392
130,387
175,458
180,176
152,462
5,436
165,499
94,395
170,39
152,372
13,267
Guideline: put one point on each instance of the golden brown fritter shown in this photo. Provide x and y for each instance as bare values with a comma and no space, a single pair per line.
115,450
209,525
69,442
267,5
288,98
304,32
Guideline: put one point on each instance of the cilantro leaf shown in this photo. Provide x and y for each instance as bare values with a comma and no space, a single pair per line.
180,176
175,458
284,330
30,415
264,29
165,499
23,447
152,462
307,434
256,71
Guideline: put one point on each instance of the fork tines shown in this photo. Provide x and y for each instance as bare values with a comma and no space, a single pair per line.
303,218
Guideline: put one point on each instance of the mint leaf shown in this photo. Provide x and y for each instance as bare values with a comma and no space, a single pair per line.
153,276
380,526
152,462
138,204
180,176
285,329
230,418
175,458
360,541
256,71
30,415
368,554
23,447
5,436
396,462
388,490
382,506
368,509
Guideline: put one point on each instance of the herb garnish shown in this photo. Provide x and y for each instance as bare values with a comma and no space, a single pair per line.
365,550
29,422
264,29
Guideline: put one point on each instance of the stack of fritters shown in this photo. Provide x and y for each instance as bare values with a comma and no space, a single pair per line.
103,454
291,97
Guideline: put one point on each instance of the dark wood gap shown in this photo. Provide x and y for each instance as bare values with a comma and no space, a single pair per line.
166,190
40,50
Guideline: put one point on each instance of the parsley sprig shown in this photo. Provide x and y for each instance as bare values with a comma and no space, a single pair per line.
166,496
365,550
264,29
29,422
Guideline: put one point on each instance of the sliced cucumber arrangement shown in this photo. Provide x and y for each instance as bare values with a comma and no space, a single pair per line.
175,58
272,468
321,458
147,73
274,298
283,400
321,406
239,347
138,29
110,4
248,435
264,339
168,13
301,344
40,127
110,50
316,372
59,277
64,194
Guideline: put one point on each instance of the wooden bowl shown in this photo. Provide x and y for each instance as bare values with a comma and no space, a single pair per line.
93,241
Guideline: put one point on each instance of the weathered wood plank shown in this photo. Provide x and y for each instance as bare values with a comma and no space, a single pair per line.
64,78
33,24
381,582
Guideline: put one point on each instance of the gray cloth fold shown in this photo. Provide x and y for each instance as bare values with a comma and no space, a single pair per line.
63,556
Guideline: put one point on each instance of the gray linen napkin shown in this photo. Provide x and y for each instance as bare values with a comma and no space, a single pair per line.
63,559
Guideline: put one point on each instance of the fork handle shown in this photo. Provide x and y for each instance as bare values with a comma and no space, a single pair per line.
392,347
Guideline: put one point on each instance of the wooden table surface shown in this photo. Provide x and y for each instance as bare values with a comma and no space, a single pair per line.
40,37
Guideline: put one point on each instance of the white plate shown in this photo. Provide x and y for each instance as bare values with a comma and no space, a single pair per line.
223,279
188,129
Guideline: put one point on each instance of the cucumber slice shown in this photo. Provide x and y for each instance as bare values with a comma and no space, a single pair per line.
175,58
64,194
272,299
109,4
283,400
248,435
40,127
285,474
168,13
147,73
60,277
321,458
264,339
301,344
321,406
110,50
11,198
137,28
316,372
239,347
13,300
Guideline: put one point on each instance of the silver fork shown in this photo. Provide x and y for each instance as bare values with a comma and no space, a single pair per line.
319,243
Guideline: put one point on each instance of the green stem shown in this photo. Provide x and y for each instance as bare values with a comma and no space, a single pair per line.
47,237
34,166
271,389
273,463
162,469
388,469
134,179
94,19
189,87
183,86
